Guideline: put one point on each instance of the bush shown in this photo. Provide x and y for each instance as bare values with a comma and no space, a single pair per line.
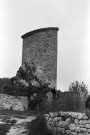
26,83
39,127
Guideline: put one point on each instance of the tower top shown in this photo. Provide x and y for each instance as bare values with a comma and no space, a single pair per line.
39,30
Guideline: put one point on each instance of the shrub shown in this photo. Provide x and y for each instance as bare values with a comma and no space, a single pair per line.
26,83
39,127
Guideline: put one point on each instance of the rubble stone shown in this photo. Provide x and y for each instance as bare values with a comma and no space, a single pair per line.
72,124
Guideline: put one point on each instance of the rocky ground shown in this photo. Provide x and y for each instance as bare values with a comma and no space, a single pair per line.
14,124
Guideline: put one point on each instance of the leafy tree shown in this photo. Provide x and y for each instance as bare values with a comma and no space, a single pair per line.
82,91
77,87
2,83
27,73
40,88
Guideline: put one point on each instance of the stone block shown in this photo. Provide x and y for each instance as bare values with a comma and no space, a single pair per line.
73,133
85,122
72,126
57,119
76,121
81,122
87,125
63,124
50,119
55,114
83,129
77,129
61,130
48,124
68,132
88,130
51,115
85,133
75,116
80,134
80,117
60,118
84,117
82,126
46,118
89,121
68,121
60,124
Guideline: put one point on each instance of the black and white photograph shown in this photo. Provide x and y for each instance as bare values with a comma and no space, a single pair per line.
44,67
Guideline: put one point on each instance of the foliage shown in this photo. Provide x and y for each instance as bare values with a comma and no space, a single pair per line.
23,85
27,74
72,100
82,90
40,88
2,83
78,87
39,126
26,83
67,101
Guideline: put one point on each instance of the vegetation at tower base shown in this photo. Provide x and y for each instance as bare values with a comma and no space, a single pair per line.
26,83
39,126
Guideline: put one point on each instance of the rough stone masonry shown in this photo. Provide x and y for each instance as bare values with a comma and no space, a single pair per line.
40,48
15,103
68,123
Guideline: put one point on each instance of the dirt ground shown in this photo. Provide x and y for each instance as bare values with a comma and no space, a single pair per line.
15,122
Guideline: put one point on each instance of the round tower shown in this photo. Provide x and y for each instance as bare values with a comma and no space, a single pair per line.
40,48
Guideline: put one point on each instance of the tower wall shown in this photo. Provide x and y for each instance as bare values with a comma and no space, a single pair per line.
40,48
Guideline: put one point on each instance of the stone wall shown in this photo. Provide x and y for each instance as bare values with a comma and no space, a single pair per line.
68,123
40,48
14,103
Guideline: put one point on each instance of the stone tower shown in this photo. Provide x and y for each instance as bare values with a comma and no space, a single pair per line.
40,48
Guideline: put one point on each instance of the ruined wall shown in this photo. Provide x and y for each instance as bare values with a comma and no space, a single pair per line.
14,103
40,47
68,123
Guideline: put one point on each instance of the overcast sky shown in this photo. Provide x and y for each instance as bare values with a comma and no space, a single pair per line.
18,17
